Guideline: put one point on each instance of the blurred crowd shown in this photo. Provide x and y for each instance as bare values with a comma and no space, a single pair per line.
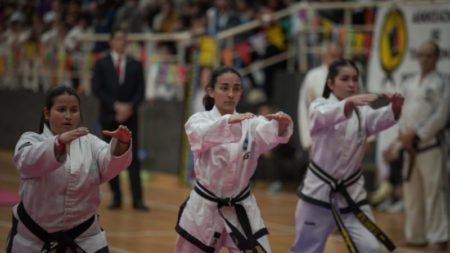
41,41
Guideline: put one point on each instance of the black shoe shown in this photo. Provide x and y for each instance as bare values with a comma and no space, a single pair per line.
115,205
141,207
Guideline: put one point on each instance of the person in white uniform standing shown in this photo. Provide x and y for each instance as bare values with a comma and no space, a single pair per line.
421,133
312,88
221,210
61,169
332,193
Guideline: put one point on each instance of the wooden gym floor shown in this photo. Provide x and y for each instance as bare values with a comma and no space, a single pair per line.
132,231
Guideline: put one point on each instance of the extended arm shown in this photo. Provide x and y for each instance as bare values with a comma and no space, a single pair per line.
203,133
116,156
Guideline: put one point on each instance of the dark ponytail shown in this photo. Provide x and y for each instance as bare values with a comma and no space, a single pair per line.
333,71
208,101
49,101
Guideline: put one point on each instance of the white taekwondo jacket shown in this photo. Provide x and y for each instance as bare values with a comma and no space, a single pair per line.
60,193
225,158
338,145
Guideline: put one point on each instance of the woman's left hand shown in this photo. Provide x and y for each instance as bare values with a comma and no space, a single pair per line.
122,134
281,117
283,121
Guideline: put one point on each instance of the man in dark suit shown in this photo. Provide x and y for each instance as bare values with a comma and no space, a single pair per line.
118,83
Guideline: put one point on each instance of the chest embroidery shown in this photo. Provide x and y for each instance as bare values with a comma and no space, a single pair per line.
245,149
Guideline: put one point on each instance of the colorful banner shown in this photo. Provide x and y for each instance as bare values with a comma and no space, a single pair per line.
399,32
208,48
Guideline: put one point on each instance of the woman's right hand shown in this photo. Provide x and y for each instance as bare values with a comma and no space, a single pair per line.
397,101
237,118
362,99
69,136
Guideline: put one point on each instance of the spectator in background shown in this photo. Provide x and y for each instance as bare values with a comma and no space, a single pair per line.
312,88
129,17
78,50
245,10
159,84
72,12
17,32
221,16
166,20
103,20
16,35
421,127
118,83
53,42
72,41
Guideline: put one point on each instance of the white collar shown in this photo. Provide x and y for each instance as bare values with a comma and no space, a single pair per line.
217,113
115,56
46,131
333,98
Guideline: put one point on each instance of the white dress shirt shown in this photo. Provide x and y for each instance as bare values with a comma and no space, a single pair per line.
123,63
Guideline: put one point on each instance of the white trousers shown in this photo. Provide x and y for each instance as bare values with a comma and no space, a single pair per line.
425,196
184,246
313,224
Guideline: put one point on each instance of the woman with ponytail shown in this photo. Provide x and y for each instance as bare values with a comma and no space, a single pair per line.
221,210
332,194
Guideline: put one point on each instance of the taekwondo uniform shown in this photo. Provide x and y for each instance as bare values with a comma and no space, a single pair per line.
60,195
225,158
333,189
425,178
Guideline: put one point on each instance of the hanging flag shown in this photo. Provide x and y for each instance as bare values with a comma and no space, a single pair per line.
68,62
143,56
275,36
227,56
287,25
208,50
2,66
181,73
11,63
327,26
30,49
171,74
243,50
342,35
358,43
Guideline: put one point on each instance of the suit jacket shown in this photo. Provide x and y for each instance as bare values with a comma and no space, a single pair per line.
105,85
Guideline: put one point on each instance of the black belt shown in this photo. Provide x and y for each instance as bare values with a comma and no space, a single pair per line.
247,242
59,240
341,187
412,156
